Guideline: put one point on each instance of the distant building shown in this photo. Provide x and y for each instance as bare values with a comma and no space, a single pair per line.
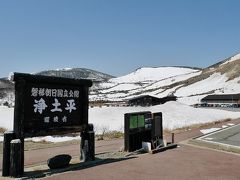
147,100
222,99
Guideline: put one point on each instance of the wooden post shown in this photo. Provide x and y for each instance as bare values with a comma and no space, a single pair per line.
16,158
20,87
91,145
83,147
88,144
8,137
172,138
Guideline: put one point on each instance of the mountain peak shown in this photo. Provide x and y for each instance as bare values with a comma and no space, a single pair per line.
77,73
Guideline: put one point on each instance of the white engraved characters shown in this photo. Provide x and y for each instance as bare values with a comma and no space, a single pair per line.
55,119
70,105
59,93
39,105
46,119
64,119
56,105
34,92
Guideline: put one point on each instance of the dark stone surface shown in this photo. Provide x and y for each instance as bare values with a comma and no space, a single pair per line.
59,161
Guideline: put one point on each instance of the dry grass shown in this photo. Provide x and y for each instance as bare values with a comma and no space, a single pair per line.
109,135
2,130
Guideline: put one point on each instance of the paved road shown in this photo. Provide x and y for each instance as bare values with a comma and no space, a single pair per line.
183,163
230,136
39,156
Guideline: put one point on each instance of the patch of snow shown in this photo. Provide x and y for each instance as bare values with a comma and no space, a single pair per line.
208,138
64,69
233,58
10,76
206,131
191,100
121,87
106,85
152,74
212,83
171,80
67,69
167,92
6,120
53,139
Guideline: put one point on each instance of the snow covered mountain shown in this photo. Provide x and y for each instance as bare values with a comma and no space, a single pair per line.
220,78
151,81
77,73
188,84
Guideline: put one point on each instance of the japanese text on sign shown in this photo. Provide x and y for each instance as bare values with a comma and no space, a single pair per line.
55,105
40,106
46,92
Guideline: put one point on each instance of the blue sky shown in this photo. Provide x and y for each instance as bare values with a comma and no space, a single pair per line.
116,36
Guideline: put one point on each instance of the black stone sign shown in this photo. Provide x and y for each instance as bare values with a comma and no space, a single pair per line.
49,105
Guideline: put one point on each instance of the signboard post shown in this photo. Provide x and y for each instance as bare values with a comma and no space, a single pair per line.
135,131
141,127
47,105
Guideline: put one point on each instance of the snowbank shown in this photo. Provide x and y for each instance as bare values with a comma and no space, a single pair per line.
175,115
6,120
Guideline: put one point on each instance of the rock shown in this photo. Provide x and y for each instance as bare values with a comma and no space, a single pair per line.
59,161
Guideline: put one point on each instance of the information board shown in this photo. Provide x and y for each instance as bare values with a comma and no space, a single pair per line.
50,105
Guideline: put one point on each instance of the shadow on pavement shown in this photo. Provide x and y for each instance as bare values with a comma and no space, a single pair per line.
72,167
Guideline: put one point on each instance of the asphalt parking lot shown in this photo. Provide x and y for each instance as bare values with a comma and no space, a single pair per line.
229,136
223,108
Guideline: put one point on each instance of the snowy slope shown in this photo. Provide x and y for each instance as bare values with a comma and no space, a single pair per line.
152,74
215,84
215,81
142,81
221,78
189,85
